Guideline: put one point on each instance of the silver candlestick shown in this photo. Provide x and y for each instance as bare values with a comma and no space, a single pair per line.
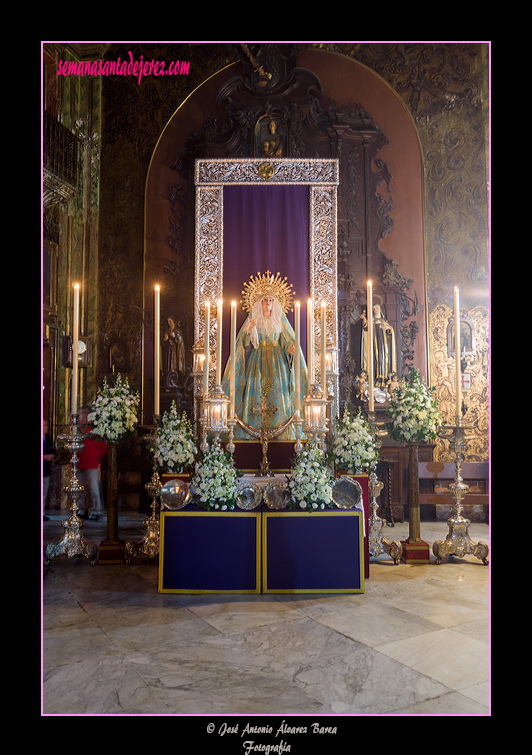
377,542
149,545
458,543
73,543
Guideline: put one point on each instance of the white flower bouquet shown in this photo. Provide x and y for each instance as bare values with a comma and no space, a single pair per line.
174,448
215,480
354,447
114,412
414,412
310,483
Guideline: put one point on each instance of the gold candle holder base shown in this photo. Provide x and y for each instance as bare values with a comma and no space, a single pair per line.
149,545
458,543
73,543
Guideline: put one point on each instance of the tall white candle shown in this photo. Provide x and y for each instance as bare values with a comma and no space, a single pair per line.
323,349
457,352
310,342
206,339
75,335
370,346
219,343
297,358
157,351
233,357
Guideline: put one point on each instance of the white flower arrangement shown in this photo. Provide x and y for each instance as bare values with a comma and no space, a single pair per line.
114,412
414,412
310,482
174,448
354,447
215,480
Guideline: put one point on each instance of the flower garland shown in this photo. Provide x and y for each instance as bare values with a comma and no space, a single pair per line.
414,412
114,412
174,448
354,447
215,480
310,483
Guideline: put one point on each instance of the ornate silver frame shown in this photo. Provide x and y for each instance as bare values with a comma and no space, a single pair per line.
322,177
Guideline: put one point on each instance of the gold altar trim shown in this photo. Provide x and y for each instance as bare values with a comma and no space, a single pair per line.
442,378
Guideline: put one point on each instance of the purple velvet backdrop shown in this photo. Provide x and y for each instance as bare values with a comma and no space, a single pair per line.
265,228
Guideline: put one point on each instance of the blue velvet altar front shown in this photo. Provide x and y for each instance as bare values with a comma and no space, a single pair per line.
204,551
312,552
261,551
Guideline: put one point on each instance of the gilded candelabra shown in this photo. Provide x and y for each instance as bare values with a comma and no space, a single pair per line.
458,543
149,545
73,542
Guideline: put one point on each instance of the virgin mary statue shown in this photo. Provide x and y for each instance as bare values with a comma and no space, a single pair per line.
264,359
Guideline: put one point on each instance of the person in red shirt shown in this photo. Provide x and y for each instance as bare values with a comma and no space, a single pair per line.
89,460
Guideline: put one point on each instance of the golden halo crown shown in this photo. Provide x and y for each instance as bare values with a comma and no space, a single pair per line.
267,285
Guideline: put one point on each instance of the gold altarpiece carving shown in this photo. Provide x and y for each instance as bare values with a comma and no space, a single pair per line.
442,376
322,178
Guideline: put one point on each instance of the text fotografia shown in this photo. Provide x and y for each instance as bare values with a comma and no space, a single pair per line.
250,746
129,67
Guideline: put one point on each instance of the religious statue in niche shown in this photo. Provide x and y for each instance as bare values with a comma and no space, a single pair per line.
270,137
175,352
118,356
384,358
264,364
467,345
467,336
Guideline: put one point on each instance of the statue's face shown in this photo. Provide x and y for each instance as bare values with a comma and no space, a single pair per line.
267,306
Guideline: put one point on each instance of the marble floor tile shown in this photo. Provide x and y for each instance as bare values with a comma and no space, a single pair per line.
366,682
479,630
478,692
101,686
451,704
132,638
233,613
200,651
287,647
220,688
150,611
237,621
375,623
314,605
444,606
73,644
447,656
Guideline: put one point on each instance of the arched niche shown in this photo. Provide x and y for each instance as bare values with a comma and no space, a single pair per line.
382,193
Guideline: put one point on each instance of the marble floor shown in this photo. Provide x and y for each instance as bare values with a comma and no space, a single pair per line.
415,643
